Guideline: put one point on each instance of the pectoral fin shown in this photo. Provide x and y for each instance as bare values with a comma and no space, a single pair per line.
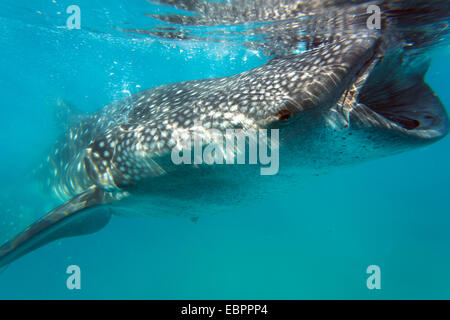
75,217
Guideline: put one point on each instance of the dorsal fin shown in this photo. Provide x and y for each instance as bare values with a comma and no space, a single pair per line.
64,113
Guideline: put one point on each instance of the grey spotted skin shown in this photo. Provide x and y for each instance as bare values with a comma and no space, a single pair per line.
132,137
131,140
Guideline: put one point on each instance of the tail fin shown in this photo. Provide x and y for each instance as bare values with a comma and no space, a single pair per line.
69,219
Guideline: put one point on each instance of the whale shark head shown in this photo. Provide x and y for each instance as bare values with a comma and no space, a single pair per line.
355,101
389,108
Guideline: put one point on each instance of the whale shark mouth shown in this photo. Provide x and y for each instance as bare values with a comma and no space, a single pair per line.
412,111
395,97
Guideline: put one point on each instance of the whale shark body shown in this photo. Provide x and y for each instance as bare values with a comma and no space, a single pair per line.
353,99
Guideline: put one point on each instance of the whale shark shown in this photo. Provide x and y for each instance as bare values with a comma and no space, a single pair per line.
356,98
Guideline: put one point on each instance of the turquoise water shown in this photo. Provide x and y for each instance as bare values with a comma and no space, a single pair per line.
308,243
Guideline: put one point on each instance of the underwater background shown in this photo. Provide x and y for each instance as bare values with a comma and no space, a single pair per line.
313,242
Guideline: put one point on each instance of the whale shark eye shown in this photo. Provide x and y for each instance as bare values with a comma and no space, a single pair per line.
284,114
287,110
